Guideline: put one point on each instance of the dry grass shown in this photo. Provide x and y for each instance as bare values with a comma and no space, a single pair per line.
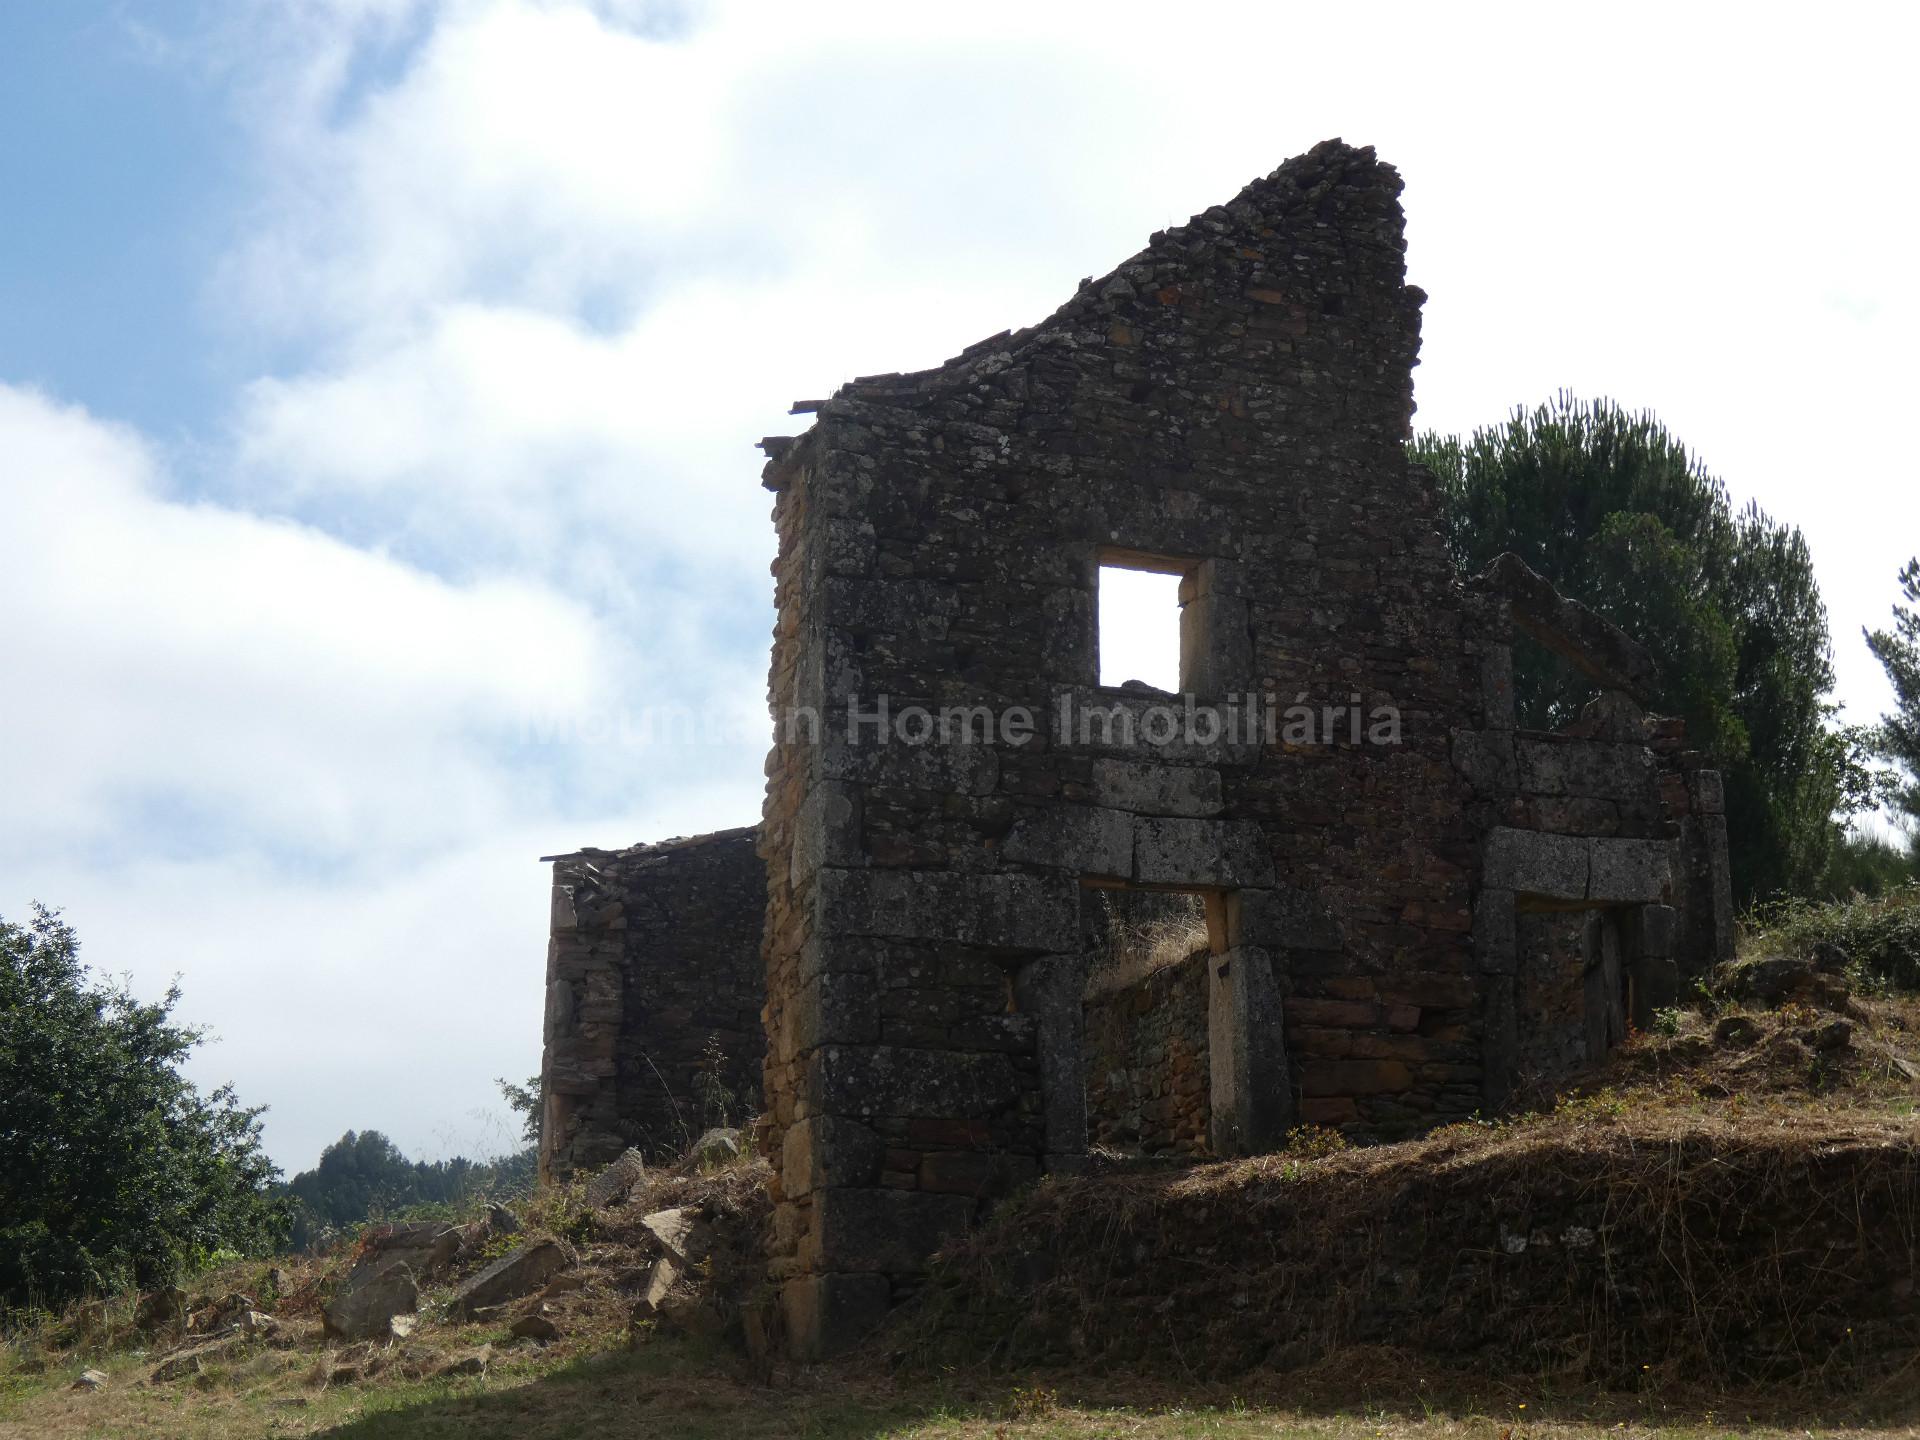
1164,1305
1138,949
300,1382
674,1389
1747,1212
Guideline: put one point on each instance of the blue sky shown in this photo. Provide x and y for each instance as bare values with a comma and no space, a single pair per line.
379,381
121,175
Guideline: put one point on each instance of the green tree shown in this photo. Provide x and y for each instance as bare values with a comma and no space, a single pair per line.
1620,515
357,1175
1898,651
1868,865
524,1101
363,1175
114,1169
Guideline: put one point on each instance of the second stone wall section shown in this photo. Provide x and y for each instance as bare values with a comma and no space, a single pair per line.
654,991
1147,1061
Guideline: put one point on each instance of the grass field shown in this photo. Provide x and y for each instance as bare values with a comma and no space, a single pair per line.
675,1389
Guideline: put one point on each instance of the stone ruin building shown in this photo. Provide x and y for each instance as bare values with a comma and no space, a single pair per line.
1397,922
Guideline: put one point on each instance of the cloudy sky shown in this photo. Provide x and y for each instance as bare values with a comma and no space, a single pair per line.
379,381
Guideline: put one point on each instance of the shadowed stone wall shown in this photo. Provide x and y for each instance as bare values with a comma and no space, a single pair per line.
1604,874
653,998
1230,405
1147,1062
1387,863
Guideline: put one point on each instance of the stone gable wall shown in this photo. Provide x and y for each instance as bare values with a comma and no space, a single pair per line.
1232,402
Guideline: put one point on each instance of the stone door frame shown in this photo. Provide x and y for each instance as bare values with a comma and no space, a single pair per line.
1251,1103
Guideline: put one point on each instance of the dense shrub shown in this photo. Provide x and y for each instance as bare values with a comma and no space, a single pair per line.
1880,936
1868,865
1898,737
115,1171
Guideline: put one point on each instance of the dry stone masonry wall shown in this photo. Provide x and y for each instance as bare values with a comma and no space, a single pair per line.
1387,864
653,998
1231,405
1146,1062
1146,1056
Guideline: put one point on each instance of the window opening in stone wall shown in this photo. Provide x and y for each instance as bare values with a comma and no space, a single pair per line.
1139,620
1145,1011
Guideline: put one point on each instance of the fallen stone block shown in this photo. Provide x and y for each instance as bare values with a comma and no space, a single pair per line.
694,1315
681,1233
363,1308
715,1147
1770,979
1739,1031
220,1314
514,1274
428,1248
660,1282
164,1309
474,1364
534,1327
189,1361
617,1181
1834,1035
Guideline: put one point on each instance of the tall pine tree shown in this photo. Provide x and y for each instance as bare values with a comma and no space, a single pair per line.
1898,650
1619,514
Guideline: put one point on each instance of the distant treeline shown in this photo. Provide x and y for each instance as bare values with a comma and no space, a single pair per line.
364,1176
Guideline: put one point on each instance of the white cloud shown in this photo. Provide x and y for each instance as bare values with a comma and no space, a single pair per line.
247,675
527,151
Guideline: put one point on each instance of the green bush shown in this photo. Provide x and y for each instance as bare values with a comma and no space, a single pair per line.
364,1176
1867,865
1880,936
115,1171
